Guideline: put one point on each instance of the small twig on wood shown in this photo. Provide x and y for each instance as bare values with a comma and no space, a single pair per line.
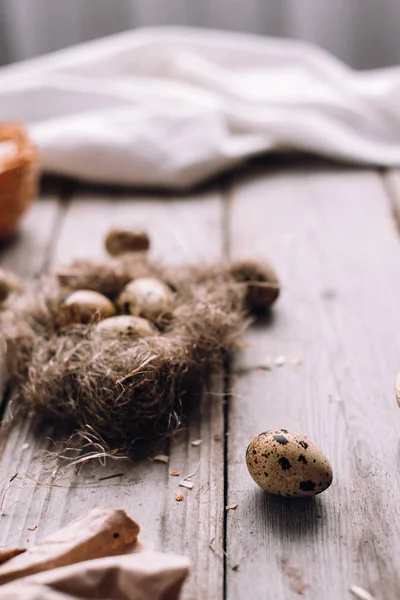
38,482
361,593
110,476
192,474
220,553
187,482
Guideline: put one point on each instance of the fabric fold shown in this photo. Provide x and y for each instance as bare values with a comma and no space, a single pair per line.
171,107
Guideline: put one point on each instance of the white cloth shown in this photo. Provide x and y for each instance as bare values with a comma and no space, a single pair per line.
169,107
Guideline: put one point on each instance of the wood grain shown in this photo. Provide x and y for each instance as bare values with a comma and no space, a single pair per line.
182,231
332,238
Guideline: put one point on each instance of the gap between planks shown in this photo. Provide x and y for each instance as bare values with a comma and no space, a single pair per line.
226,193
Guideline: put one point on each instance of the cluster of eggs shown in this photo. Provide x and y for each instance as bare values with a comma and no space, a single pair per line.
143,303
280,461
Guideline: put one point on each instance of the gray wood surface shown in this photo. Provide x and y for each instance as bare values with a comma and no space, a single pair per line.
332,237
333,240
182,231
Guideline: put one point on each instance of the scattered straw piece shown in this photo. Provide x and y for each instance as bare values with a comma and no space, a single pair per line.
297,361
186,484
336,399
38,482
265,366
361,593
13,477
243,344
32,527
280,361
231,506
3,500
197,442
25,446
175,472
159,458
192,474
81,447
179,496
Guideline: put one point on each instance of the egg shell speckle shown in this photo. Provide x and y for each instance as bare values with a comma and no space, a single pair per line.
84,306
146,297
135,327
287,463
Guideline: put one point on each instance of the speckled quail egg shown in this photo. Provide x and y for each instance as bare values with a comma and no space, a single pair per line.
127,325
261,281
288,464
121,241
85,306
146,297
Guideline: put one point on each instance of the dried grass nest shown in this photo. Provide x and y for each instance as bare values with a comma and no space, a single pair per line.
127,390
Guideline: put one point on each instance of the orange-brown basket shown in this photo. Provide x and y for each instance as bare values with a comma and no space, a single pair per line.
18,177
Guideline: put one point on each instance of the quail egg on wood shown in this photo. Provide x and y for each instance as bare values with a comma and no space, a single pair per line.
127,325
121,241
287,463
261,282
146,297
85,306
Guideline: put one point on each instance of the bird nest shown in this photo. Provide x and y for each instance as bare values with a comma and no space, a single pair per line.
127,388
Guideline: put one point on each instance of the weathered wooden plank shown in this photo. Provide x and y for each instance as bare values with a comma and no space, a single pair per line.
332,238
182,231
27,252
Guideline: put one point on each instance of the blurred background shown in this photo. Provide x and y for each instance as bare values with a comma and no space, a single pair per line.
363,33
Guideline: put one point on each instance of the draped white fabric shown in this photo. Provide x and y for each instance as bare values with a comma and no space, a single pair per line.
362,33
170,107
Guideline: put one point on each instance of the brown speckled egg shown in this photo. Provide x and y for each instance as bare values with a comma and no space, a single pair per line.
146,297
288,464
121,241
85,306
261,281
135,327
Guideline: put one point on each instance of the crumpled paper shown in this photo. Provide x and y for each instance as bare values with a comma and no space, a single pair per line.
170,107
96,556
